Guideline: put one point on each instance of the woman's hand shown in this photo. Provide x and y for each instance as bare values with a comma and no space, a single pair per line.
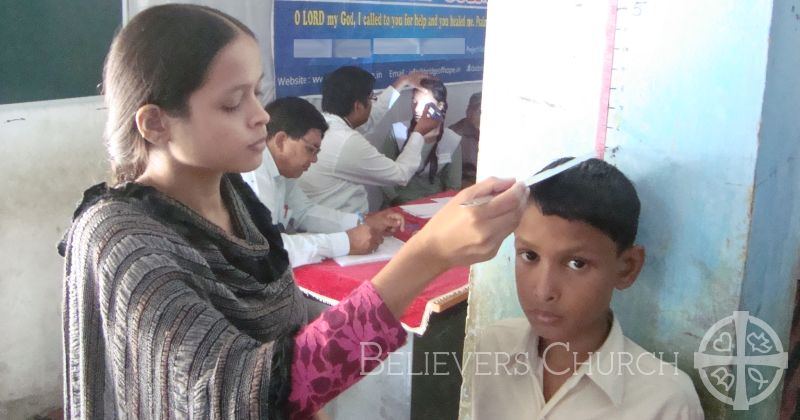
458,235
455,236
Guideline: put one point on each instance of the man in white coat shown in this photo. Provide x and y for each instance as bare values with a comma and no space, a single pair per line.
295,131
348,161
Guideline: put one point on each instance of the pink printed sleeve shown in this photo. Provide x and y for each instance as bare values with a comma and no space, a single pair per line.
334,351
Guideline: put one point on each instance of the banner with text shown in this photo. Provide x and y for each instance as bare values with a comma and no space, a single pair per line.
388,38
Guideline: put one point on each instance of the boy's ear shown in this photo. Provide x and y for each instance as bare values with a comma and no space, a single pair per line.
631,262
152,124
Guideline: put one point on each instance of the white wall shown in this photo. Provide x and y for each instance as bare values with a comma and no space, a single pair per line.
50,152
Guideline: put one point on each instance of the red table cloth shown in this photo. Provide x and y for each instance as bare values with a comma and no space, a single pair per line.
329,283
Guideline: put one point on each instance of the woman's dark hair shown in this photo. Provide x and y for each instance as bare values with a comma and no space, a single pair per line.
439,93
294,116
344,86
594,192
160,57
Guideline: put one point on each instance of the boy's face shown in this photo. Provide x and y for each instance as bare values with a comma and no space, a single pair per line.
566,272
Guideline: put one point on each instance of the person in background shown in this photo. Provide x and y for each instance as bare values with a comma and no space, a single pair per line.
568,357
294,136
348,161
441,158
469,128
179,299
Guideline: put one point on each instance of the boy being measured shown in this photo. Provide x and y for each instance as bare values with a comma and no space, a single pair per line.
568,358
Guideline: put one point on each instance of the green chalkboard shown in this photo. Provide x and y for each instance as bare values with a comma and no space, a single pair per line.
53,49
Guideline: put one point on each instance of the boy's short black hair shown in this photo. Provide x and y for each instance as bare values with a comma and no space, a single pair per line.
344,86
294,116
594,192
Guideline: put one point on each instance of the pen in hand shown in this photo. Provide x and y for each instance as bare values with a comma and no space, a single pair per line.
538,177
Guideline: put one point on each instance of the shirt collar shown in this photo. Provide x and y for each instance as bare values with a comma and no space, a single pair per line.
268,162
606,357
606,369
525,343
522,347
333,119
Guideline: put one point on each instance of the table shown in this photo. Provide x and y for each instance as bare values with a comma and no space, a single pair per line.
329,283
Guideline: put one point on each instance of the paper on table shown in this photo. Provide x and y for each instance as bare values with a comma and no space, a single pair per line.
425,211
442,200
385,252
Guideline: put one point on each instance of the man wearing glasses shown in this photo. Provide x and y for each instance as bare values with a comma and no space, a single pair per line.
348,161
294,136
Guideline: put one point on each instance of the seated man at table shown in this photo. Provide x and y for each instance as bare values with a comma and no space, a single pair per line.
295,131
568,359
348,161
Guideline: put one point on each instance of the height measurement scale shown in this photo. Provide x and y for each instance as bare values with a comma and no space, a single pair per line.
620,16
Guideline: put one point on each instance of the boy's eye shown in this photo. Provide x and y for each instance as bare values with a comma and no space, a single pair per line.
528,256
576,264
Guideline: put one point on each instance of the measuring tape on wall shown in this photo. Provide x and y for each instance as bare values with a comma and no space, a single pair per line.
620,13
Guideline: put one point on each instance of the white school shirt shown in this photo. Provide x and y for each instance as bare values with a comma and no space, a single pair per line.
507,383
347,161
292,209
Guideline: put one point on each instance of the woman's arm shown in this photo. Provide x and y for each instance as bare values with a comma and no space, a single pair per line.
344,344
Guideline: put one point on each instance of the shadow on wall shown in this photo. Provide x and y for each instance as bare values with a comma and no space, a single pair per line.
668,309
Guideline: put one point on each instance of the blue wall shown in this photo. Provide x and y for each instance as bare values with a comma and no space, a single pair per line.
772,268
